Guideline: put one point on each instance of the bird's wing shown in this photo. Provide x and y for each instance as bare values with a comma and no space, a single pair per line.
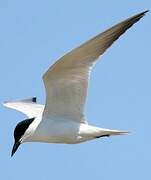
66,81
27,106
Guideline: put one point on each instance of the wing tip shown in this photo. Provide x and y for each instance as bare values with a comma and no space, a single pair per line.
144,12
140,15
33,99
132,20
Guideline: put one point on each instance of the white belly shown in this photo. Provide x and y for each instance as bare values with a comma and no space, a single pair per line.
58,131
66,131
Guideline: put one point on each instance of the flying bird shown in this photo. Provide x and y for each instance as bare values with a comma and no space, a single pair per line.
62,119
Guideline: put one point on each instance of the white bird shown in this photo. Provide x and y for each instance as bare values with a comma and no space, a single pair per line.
62,119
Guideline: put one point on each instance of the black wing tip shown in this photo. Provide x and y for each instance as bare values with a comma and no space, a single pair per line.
34,99
140,15
136,18
143,13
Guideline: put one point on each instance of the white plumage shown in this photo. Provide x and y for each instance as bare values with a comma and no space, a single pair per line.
27,106
62,119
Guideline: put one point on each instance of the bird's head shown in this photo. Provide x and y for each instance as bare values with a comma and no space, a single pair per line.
19,133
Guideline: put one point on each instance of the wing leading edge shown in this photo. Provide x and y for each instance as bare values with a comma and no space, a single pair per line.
29,107
66,81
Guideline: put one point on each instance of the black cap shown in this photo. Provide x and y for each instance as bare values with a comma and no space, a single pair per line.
19,132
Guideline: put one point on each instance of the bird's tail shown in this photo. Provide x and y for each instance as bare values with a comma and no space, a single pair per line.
110,132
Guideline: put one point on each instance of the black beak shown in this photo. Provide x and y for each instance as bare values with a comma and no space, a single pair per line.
15,147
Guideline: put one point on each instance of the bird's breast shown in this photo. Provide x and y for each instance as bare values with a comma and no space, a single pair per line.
57,131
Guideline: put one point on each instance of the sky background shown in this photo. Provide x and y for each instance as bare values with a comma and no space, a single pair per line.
33,34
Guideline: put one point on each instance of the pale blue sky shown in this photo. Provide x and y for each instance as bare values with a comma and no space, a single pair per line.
33,34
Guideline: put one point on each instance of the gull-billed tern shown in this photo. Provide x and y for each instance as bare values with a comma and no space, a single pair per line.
62,119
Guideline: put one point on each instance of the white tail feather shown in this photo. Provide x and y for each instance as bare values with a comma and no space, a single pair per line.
109,132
